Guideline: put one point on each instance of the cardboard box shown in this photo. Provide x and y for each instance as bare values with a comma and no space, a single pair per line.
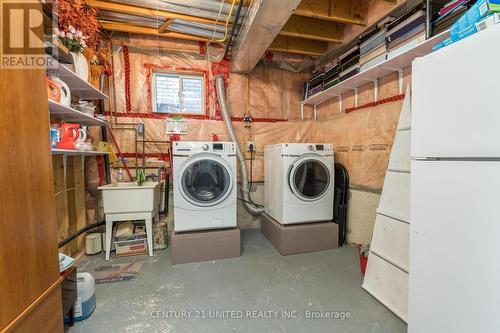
478,26
479,10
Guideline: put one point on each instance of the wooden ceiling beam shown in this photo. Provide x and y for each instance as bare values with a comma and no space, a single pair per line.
309,28
141,11
165,25
342,11
299,46
135,29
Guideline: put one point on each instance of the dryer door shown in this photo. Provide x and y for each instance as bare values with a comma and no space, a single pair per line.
205,180
309,178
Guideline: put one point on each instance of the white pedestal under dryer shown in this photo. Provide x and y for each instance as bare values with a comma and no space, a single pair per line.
299,182
204,181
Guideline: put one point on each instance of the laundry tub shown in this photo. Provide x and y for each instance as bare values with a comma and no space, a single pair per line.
128,197
129,201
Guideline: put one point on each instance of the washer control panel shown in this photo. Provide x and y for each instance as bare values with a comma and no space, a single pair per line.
301,148
193,147
320,148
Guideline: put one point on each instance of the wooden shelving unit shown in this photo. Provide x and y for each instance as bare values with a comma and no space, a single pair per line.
395,64
69,165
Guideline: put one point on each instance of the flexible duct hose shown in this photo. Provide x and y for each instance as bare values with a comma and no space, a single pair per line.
245,190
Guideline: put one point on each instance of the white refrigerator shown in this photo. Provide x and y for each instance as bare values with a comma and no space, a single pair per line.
454,281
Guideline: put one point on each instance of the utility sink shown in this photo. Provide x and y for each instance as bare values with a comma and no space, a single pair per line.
129,197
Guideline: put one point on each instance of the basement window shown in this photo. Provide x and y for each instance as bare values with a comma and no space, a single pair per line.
178,93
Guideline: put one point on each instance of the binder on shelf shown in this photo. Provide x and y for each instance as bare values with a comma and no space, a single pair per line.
375,61
442,24
373,43
405,16
402,48
405,40
414,23
350,72
374,54
451,6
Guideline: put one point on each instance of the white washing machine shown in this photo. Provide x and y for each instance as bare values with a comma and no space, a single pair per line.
204,181
299,182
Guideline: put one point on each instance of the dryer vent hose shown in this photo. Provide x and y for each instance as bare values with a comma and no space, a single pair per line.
245,190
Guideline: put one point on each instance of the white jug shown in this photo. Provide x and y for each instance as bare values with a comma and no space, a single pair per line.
65,92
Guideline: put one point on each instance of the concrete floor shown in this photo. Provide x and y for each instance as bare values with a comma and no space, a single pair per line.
260,280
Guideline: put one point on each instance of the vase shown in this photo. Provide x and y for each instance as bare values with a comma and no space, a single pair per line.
81,66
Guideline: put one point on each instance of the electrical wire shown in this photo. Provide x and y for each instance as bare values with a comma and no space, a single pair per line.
217,21
212,106
252,156
250,202
228,17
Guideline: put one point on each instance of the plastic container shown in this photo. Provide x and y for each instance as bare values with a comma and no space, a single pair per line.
85,298
55,135
93,243
131,247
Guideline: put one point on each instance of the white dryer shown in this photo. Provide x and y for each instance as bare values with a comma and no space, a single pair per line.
204,181
299,182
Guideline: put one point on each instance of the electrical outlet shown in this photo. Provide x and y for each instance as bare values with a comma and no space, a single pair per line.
250,146
250,150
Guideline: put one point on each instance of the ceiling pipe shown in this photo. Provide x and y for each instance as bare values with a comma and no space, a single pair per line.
233,29
188,7
211,5
190,30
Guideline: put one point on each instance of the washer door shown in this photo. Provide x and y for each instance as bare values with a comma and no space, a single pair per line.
309,178
205,180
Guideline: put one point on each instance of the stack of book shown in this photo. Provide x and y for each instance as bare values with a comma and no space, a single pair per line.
372,48
332,72
316,82
449,14
406,32
349,63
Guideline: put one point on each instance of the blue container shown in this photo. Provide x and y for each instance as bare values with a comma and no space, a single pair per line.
85,299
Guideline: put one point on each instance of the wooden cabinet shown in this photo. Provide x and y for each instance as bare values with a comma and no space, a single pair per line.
29,272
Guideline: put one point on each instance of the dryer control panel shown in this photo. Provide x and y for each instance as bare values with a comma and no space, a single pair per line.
324,149
195,147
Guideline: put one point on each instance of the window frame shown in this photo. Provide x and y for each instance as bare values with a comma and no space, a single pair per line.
180,75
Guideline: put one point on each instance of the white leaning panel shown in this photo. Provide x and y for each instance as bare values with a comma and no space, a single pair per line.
395,199
400,157
388,284
390,241
405,115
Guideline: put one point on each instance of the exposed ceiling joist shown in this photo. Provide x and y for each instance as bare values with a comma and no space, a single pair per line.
309,28
123,27
342,11
141,11
299,46
165,25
